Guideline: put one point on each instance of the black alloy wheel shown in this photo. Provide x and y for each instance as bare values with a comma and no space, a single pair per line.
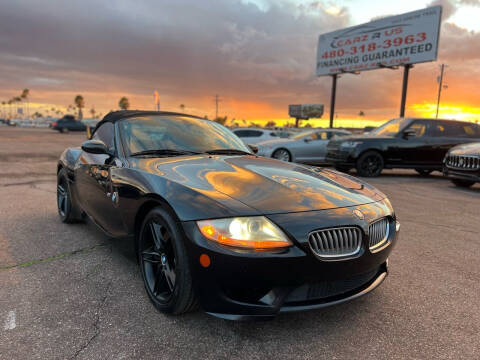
424,172
463,183
164,263
68,210
370,164
63,199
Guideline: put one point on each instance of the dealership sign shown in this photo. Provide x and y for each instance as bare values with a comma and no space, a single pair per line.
305,111
397,40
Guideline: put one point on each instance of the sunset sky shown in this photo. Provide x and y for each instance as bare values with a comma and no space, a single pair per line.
258,55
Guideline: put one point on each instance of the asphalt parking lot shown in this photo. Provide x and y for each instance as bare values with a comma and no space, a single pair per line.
68,291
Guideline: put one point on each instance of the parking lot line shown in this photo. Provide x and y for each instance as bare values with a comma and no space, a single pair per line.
10,322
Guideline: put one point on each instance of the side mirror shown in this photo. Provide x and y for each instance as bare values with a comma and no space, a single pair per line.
409,133
307,140
95,147
253,148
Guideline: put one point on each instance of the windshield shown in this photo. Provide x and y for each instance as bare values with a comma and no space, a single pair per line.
392,127
303,135
177,133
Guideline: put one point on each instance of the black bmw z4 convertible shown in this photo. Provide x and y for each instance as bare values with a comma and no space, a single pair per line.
215,225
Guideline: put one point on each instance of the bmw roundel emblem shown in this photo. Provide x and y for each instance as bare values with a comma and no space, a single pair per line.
358,214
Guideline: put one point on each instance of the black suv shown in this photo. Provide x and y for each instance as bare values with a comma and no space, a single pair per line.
413,143
68,123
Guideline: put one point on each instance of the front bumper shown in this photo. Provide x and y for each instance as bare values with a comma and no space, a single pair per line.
265,151
341,156
461,174
244,285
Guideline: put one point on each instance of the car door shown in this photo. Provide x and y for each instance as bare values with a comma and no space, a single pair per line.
416,149
97,195
312,149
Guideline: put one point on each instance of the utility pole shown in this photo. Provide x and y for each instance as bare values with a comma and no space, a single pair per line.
217,100
440,83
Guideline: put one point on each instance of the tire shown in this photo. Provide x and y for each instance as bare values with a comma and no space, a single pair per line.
370,164
342,169
67,209
463,183
64,130
282,154
164,263
424,172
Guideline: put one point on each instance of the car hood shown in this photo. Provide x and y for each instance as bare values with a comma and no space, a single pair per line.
266,185
466,149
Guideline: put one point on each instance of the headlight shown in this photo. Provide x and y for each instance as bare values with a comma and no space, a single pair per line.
253,233
350,144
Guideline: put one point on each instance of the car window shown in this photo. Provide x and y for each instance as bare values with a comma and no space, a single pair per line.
471,130
392,127
455,129
283,134
323,135
106,133
176,133
255,133
303,135
242,133
438,129
420,128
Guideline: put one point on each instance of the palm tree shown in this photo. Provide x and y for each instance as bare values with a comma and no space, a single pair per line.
17,99
24,96
10,102
92,111
123,104
80,103
3,109
182,107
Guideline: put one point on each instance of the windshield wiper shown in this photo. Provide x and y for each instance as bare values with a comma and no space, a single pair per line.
228,152
167,152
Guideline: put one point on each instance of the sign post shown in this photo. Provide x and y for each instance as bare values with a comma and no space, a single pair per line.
406,70
401,40
332,99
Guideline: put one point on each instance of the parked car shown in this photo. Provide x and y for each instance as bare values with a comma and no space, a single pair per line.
307,147
68,123
413,143
255,135
213,224
462,164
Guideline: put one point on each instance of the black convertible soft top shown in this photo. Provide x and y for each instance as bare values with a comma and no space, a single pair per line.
115,116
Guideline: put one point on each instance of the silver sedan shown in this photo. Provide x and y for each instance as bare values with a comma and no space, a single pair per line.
307,147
